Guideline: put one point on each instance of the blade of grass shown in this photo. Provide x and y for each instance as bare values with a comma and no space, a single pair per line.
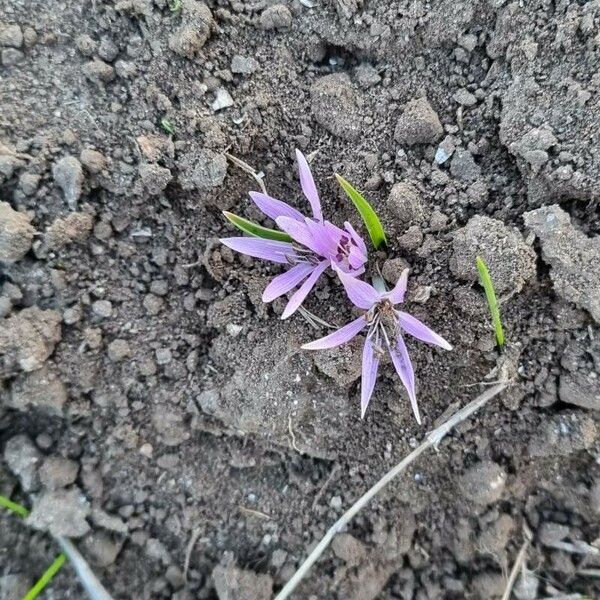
14,507
46,578
366,211
256,230
488,286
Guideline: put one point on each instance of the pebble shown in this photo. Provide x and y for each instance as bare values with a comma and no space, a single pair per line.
68,175
156,550
58,472
335,502
102,309
277,16
222,100
41,389
61,512
464,97
101,549
24,460
108,50
16,234
243,65
405,203
550,533
97,71
463,166
445,150
154,178
93,161
418,124
86,45
28,183
11,36
118,350
153,304
5,306
163,356
11,57
483,483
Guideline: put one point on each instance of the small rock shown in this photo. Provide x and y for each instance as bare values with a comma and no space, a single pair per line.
101,549
510,260
393,268
550,533
68,174
118,350
438,221
102,308
412,239
11,36
579,384
75,227
233,583
86,45
58,472
153,304
27,338
174,575
29,37
489,585
108,522
16,234
335,106
156,550
465,97
243,65
11,57
463,166
93,161
222,100
72,315
156,147
99,72
366,75
574,258
527,586
108,50
418,124
41,389
483,483
23,459
203,171
277,16
154,178
61,512
349,549
191,36
5,306
28,183
445,150
405,203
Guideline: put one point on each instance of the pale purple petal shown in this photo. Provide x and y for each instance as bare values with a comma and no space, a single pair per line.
396,296
308,185
274,208
322,242
355,258
419,330
300,294
357,239
405,370
286,281
339,337
272,250
360,293
370,364
299,232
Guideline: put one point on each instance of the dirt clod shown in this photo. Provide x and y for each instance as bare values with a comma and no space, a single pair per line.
233,583
24,460
16,234
418,124
483,483
58,472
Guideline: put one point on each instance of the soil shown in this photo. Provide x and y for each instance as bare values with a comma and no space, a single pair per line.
152,407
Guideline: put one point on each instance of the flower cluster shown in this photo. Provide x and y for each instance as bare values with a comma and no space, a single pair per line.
315,245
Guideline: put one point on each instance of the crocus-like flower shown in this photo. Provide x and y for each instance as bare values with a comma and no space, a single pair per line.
386,328
317,244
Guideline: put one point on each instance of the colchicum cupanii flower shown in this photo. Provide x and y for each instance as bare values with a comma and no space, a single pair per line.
386,328
316,244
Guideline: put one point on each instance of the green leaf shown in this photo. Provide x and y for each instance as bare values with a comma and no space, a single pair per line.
167,126
369,216
175,5
14,507
488,286
46,578
257,230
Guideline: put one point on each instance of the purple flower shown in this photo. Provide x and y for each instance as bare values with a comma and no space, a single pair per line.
317,244
386,329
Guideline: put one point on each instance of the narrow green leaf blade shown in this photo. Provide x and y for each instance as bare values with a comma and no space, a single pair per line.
256,230
46,578
490,294
14,507
369,216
